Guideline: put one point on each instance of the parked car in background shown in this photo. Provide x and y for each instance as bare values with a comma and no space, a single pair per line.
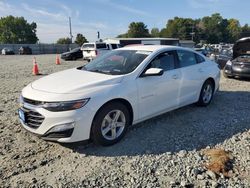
202,51
240,63
25,50
7,51
91,50
223,58
74,54
126,86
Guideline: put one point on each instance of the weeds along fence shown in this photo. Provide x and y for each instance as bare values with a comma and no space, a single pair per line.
41,48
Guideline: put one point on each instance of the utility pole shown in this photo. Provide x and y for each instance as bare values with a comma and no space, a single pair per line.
193,33
98,35
70,31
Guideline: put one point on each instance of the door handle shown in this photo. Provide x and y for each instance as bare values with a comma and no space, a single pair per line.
175,76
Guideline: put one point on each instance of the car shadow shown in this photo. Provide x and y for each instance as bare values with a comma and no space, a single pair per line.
188,128
242,79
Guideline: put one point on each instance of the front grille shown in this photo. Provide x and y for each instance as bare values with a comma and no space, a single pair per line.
239,64
32,118
32,102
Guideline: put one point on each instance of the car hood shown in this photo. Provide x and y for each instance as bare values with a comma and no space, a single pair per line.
66,53
241,47
74,81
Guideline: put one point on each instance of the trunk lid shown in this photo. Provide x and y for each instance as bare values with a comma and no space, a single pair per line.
241,47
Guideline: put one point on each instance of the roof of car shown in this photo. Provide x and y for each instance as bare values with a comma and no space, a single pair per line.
151,47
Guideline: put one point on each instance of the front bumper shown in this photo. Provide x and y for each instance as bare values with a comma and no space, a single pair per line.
81,120
232,71
66,58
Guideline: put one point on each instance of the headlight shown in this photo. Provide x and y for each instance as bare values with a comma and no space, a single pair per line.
229,63
64,106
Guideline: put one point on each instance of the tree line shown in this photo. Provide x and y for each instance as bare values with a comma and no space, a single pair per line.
210,29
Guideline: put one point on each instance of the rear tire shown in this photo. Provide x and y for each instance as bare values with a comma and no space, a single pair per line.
110,124
206,94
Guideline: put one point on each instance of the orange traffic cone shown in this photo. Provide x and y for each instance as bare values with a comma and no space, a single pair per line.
35,67
57,60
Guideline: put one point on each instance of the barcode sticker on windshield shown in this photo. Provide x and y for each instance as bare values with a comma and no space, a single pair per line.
143,52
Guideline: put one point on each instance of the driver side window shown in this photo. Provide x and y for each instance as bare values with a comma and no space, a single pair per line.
165,61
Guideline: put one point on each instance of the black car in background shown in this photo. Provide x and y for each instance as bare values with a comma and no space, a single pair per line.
74,54
23,50
7,51
239,65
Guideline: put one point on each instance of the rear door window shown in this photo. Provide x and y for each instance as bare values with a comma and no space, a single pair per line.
186,58
101,45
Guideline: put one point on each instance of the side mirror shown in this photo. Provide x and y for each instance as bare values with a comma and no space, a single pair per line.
153,72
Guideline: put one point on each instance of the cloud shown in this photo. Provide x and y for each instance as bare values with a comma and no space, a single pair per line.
128,9
122,7
53,24
207,4
201,4
5,8
43,13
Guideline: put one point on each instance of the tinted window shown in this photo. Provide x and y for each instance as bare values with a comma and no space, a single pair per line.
114,46
88,46
101,45
165,61
199,58
186,58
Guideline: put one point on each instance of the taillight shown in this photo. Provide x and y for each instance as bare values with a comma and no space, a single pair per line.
96,52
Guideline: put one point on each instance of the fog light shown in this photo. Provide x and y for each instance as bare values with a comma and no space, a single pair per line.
62,127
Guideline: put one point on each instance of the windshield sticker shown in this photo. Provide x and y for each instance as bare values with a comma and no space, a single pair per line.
143,52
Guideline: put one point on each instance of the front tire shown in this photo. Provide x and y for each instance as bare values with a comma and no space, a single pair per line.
110,124
206,94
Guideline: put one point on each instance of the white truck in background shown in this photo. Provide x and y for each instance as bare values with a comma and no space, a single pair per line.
91,50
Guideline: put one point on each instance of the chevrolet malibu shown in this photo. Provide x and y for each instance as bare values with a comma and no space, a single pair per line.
100,100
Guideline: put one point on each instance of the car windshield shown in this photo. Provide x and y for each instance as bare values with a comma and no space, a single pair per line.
117,62
88,46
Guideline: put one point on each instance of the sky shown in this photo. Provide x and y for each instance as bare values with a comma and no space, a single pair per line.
112,17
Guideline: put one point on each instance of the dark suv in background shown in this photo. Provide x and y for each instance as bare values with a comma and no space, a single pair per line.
25,50
239,65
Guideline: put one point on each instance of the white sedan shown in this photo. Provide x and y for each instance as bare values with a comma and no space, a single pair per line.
123,87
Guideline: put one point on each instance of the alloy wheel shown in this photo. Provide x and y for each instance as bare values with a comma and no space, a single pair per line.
113,124
207,93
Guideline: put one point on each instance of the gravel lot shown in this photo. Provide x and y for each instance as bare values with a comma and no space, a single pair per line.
166,151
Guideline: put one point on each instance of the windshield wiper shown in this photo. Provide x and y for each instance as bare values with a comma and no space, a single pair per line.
100,71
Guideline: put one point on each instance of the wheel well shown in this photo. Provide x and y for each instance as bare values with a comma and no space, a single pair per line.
124,102
212,80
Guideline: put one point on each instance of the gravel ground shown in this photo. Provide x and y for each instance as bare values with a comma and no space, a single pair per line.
166,151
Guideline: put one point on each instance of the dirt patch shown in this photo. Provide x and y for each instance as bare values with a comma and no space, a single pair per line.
220,161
